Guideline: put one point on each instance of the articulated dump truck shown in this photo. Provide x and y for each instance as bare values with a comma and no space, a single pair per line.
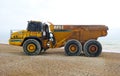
76,39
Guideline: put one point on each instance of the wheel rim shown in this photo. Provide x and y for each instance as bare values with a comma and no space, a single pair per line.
31,47
73,48
93,49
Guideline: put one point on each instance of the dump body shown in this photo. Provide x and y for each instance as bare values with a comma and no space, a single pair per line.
81,33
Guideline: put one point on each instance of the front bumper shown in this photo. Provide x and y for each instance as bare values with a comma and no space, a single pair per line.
17,42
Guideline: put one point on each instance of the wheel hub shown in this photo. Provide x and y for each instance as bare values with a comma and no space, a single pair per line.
93,48
31,47
73,48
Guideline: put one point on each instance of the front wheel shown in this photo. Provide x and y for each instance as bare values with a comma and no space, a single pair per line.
32,47
92,48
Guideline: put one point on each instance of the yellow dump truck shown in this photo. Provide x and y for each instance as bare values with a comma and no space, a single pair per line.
75,39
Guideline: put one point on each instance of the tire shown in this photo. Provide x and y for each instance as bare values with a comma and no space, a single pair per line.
92,48
73,48
32,47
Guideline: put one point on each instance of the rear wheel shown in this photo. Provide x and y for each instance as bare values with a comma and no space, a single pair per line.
73,48
92,48
32,47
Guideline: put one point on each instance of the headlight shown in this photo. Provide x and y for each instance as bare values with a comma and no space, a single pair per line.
14,36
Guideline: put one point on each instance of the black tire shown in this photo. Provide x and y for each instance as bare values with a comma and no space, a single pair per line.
92,48
32,47
76,45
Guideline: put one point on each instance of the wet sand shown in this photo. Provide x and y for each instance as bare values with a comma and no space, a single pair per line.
13,62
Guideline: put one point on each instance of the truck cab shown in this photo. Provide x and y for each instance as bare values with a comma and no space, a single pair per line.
35,29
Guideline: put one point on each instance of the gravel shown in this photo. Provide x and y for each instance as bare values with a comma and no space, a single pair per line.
13,62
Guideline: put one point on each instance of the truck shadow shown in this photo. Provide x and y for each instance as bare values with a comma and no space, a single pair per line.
46,53
57,54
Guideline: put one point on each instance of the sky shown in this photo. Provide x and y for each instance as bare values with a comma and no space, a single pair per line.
14,14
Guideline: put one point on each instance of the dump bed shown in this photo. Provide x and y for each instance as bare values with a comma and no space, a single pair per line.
84,32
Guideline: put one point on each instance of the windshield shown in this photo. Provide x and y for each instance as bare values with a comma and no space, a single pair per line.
34,26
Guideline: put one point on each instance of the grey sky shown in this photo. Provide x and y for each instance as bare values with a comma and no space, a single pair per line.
14,14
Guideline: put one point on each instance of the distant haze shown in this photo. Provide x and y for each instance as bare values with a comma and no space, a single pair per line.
14,14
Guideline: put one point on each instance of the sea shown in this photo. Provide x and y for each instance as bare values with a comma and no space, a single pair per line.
110,45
